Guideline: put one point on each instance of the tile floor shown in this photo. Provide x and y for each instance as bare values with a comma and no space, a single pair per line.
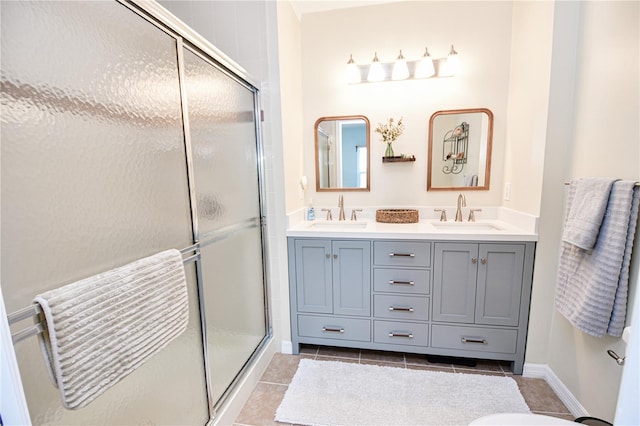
266,397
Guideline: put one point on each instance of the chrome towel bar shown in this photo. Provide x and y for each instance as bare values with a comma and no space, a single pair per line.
24,313
637,184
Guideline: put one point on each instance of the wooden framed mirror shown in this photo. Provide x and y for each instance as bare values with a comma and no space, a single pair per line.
459,154
342,151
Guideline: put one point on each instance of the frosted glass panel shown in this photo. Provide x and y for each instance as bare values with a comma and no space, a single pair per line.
234,304
224,144
93,177
223,137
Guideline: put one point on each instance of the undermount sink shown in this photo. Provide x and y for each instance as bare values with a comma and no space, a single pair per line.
338,224
466,226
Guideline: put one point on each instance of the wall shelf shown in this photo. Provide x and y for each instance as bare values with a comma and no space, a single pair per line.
398,159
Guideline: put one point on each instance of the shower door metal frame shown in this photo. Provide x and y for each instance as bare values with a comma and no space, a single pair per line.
223,233
186,38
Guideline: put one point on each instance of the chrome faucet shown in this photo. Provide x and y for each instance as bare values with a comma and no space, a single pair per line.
462,202
341,205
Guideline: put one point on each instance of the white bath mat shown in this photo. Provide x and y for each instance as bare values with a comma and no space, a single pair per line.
338,393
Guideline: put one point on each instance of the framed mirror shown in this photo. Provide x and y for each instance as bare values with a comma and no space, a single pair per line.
459,155
342,153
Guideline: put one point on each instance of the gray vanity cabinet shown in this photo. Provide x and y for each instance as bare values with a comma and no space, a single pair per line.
454,282
401,288
499,285
481,297
453,298
331,292
314,282
478,283
333,277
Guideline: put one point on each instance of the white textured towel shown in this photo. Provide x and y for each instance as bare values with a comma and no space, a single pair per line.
585,215
103,327
592,286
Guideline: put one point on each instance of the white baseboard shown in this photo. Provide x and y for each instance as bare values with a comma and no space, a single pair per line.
287,347
545,372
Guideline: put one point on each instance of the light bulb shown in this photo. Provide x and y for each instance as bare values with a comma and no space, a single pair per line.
352,73
400,69
424,67
376,73
453,62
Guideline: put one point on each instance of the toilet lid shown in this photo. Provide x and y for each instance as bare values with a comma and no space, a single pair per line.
519,419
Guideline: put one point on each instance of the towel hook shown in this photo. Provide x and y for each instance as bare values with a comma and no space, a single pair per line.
619,360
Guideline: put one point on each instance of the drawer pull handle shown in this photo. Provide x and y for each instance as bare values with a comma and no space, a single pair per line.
474,260
402,255
392,282
483,260
333,329
472,340
401,309
396,334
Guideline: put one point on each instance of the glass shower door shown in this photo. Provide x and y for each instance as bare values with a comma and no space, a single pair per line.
223,139
93,177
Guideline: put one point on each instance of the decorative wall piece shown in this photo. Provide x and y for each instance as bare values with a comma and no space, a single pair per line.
454,149
460,149
390,132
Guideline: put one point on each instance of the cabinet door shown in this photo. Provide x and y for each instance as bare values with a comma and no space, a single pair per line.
352,278
500,271
454,282
313,276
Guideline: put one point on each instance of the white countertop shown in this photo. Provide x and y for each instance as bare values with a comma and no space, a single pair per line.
501,226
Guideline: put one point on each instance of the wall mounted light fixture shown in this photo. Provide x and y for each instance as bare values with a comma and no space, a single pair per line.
424,67
352,72
376,72
401,69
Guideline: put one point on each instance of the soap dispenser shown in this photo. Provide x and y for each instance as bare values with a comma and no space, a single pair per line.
311,213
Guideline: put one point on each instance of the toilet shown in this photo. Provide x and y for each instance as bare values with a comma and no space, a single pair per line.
519,419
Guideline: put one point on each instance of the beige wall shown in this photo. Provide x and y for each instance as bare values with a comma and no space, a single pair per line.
291,111
291,101
481,33
606,102
529,79
529,97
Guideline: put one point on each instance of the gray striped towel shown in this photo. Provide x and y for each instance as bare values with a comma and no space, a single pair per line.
585,216
101,328
592,285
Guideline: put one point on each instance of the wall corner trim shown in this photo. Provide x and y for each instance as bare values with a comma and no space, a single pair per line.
13,404
545,372
287,347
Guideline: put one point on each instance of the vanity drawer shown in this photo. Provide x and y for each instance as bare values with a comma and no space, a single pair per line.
474,338
402,253
400,333
334,328
401,307
414,281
